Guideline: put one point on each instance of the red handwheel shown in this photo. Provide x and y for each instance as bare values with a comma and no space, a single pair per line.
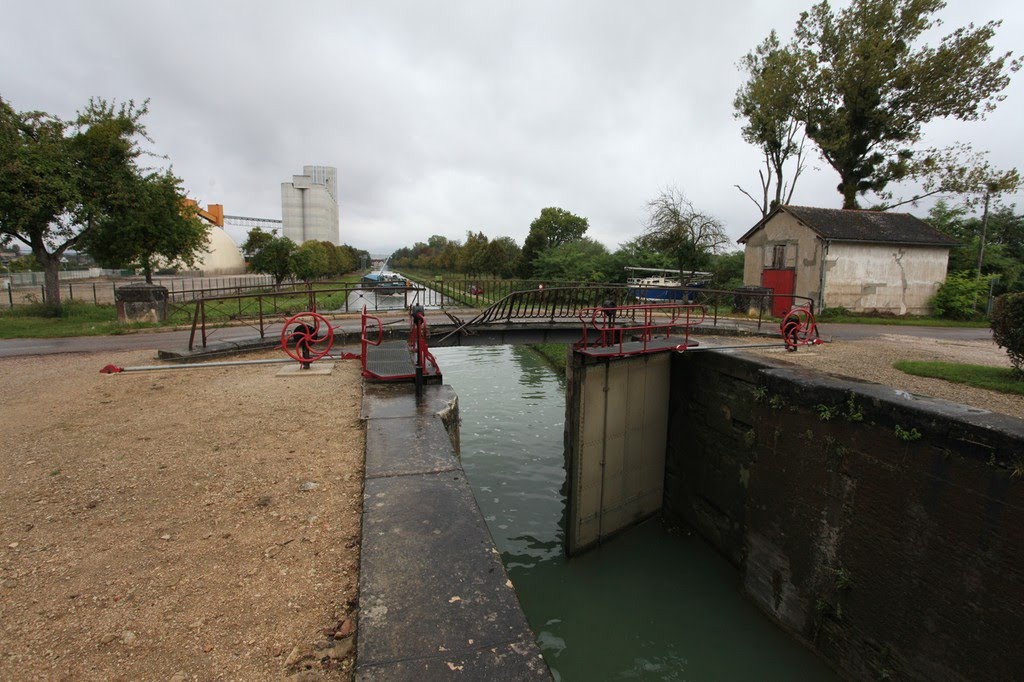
799,328
307,337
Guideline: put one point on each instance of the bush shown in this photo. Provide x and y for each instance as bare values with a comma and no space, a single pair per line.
958,296
1007,320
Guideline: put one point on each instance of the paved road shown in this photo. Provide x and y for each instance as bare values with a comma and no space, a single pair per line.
93,344
854,332
178,340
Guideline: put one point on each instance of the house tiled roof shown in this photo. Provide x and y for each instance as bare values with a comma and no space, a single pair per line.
861,226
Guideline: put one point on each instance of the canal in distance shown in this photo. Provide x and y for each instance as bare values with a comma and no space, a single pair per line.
649,604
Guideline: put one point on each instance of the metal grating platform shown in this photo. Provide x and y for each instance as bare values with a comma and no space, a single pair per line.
670,343
392,361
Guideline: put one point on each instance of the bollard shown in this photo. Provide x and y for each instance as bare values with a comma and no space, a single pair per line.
416,313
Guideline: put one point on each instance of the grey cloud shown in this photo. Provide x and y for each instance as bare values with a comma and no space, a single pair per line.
443,117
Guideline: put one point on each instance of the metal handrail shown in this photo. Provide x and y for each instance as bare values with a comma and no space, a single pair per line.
612,333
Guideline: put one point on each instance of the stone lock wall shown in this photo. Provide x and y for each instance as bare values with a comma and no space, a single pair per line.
885,530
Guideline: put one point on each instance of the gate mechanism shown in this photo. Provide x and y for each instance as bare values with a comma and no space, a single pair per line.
799,328
307,337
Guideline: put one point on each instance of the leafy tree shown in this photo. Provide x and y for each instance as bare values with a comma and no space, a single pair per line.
255,241
768,103
154,226
502,257
333,255
1004,255
472,257
958,296
350,258
580,260
866,89
635,253
24,264
1007,323
727,269
554,226
310,261
269,254
677,228
60,180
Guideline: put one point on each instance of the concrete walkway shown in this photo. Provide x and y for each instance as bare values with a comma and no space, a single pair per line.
435,601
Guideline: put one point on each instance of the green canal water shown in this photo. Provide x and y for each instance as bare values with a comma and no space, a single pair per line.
650,604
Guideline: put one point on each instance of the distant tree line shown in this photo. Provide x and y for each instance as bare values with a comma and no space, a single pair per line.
677,236
283,259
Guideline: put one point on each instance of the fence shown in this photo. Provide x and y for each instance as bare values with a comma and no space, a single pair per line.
499,301
260,310
550,299
104,292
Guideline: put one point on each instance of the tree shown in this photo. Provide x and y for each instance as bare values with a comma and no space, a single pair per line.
269,254
309,261
866,90
1004,254
153,226
768,103
554,226
502,257
472,256
333,255
677,228
60,180
255,241
727,269
579,260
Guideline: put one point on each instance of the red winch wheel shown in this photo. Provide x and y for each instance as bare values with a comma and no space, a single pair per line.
307,337
798,328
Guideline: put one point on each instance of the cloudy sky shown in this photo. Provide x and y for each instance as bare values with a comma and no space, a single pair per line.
447,116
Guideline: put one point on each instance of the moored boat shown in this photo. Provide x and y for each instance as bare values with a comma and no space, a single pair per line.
662,285
384,282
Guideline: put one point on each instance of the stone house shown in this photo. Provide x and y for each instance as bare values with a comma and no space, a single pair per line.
860,260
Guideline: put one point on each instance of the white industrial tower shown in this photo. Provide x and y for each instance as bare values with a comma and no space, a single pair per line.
309,205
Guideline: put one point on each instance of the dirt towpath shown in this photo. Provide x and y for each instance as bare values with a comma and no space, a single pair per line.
177,525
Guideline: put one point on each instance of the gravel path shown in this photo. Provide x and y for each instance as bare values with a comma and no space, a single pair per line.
872,360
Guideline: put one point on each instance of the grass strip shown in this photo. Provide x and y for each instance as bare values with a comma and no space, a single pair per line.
74,319
554,353
904,321
999,379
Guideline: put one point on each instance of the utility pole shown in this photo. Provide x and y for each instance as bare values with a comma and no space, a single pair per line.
984,228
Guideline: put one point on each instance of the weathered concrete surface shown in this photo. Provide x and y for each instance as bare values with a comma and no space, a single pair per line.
435,601
882,528
615,444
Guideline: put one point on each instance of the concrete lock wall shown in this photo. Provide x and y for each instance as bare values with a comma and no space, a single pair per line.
615,444
884,530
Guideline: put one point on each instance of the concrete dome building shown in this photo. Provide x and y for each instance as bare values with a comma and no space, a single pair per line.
222,257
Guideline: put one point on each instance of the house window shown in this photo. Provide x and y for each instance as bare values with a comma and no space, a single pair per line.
779,256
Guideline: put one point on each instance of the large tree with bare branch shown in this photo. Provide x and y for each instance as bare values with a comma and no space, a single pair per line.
676,228
767,102
867,84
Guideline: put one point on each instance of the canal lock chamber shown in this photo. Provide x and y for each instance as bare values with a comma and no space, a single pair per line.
815,523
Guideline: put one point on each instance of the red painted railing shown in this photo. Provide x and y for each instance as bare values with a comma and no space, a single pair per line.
638,329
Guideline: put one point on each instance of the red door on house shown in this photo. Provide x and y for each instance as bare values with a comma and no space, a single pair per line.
782,282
